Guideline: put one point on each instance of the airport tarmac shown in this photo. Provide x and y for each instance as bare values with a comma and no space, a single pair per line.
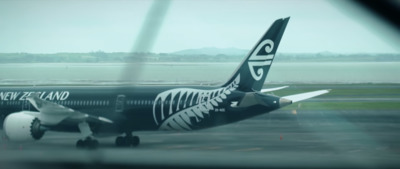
293,137
317,139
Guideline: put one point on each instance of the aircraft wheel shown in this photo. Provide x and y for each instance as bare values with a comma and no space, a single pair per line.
80,144
135,141
120,141
127,141
93,144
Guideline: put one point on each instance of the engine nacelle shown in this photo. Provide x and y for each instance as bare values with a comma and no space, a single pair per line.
22,126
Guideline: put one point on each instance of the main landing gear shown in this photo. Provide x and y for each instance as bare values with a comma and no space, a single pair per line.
88,142
127,141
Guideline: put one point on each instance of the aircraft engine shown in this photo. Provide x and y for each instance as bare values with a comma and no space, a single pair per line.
23,127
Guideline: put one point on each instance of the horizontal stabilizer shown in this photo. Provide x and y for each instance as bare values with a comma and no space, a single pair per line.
303,96
273,89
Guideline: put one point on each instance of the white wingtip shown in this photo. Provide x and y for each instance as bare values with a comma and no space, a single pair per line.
303,96
105,120
273,89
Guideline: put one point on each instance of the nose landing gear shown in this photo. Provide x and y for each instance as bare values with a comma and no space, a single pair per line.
89,143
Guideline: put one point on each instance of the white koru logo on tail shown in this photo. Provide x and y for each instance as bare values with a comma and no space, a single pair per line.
261,60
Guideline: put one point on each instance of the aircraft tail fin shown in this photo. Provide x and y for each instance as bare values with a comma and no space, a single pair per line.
253,70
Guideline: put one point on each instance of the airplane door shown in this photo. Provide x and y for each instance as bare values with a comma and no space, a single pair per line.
119,104
26,105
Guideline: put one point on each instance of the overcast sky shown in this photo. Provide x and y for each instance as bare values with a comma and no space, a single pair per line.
48,26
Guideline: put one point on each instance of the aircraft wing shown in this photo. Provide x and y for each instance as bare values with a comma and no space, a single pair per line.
53,113
303,96
273,89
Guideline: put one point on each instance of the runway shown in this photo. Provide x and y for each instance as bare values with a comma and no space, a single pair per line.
293,137
321,139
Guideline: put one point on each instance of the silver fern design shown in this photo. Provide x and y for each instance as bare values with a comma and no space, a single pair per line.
183,108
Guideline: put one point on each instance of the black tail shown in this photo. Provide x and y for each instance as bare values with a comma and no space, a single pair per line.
254,68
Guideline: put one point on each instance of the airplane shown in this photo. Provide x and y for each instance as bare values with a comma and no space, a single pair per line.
96,111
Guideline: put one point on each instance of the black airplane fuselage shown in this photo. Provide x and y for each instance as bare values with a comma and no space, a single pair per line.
138,108
29,112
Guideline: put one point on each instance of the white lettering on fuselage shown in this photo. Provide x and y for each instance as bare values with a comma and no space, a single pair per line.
52,95
9,95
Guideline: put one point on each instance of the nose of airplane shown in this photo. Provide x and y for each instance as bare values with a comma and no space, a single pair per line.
284,102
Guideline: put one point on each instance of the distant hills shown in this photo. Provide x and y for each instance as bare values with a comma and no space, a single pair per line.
212,51
208,54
